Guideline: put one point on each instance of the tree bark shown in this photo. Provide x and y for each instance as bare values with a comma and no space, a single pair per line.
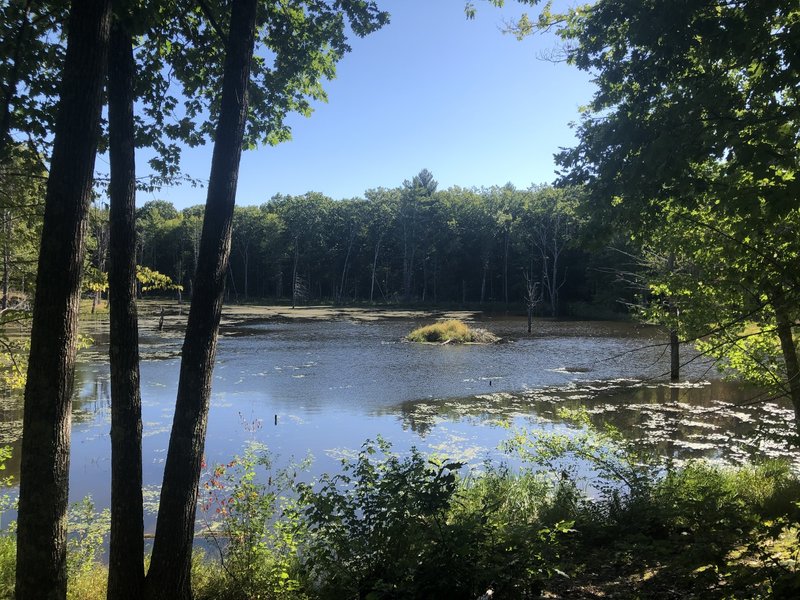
674,356
6,257
169,575
784,326
374,267
294,272
44,473
126,547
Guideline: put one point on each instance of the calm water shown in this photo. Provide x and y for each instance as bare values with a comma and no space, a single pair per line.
333,384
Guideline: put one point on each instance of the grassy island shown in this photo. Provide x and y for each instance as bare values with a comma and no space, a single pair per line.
452,331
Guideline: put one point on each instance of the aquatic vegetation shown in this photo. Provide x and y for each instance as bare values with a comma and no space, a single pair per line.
452,331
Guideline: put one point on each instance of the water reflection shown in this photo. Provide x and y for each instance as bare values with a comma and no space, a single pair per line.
715,419
333,384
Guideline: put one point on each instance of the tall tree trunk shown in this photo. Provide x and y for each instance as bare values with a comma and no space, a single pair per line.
169,575
44,473
674,342
435,271
674,356
483,280
294,271
126,548
374,266
505,268
350,240
246,262
790,360
6,257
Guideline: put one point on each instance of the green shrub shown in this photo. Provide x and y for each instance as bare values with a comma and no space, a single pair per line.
410,527
506,537
379,529
255,526
8,563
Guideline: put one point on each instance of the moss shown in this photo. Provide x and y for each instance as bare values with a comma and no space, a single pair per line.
452,331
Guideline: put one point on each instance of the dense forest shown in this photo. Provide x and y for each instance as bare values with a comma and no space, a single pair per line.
412,243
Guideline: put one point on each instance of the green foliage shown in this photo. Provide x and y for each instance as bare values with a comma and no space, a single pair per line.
711,528
95,280
13,350
153,280
255,525
87,530
8,563
509,531
379,529
616,467
391,526
690,141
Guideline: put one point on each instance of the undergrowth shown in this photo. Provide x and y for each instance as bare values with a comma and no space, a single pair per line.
586,515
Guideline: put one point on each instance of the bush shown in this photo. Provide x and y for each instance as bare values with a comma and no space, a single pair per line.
256,528
392,527
379,529
8,564
507,539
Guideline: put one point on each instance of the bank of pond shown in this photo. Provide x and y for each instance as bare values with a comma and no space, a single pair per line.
559,464
406,525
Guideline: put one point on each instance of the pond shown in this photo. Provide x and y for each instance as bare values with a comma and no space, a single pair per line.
322,387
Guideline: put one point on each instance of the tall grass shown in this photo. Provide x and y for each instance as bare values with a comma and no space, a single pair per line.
451,331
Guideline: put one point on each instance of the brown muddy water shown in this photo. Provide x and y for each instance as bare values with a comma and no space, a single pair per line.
323,387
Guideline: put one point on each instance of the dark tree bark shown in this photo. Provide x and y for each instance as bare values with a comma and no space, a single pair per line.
169,575
789,348
126,548
674,356
43,495
6,258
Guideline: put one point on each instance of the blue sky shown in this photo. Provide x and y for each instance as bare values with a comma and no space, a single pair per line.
430,90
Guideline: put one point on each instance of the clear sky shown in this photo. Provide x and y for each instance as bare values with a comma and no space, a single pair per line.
430,90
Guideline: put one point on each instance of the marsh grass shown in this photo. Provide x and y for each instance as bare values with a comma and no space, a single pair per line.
451,331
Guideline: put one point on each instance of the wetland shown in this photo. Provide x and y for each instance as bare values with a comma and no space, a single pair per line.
319,381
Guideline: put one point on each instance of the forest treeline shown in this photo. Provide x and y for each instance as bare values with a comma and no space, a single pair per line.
411,243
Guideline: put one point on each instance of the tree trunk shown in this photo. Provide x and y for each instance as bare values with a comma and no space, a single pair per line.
483,280
505,268
674,356
126,546
246,263
374,266
346,265
169,575
44,473
6,257
784,326
294,272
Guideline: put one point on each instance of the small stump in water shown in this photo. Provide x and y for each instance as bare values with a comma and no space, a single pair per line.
451,332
